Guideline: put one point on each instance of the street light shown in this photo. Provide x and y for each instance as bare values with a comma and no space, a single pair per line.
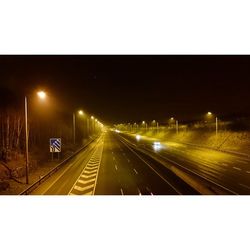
80,112
173,120
41,95
145,124
210,114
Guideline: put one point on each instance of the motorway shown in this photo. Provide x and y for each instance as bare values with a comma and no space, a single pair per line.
110,167
121,164
228,170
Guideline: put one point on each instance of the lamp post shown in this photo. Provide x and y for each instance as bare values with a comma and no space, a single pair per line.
74,128
26,140
80,112
152,124
41,95
216,125
209,114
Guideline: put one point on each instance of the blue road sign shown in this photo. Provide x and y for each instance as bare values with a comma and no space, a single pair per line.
55,145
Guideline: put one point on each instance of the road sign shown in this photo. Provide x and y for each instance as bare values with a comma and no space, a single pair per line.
55,145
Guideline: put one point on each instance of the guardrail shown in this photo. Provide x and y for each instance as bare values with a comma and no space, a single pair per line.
52,171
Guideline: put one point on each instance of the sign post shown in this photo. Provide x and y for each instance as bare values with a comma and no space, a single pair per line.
55,146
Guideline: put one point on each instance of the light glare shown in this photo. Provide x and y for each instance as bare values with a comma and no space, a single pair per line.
41,94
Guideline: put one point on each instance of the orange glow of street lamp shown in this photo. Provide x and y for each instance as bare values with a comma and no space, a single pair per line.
80,112
41,94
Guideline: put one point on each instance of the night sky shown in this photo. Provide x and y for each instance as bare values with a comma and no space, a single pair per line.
133,88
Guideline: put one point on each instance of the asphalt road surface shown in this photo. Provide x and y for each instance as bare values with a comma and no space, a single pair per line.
110,167
125,172
228,170
121,164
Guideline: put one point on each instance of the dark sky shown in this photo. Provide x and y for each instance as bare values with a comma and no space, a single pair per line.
133,88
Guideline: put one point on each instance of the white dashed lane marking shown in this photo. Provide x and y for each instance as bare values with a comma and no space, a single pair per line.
243,185
248,172
239,169
116,167
242,161
135,171
122,192
148,189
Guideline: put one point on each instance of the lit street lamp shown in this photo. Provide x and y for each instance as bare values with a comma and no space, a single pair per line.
41,95
210,114
172,120
145,125
80,112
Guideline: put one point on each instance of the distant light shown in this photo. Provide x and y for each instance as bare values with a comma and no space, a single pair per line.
92,117
41,94
143,122
157,146
209,113
117,131
157,143
138,137
80,112
172,118
96,120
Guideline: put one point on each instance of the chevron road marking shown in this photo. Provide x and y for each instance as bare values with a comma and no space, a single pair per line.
86,183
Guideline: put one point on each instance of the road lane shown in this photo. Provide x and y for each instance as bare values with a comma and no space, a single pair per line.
229,170
123,172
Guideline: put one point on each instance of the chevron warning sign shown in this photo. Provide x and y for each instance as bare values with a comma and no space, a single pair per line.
55,145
